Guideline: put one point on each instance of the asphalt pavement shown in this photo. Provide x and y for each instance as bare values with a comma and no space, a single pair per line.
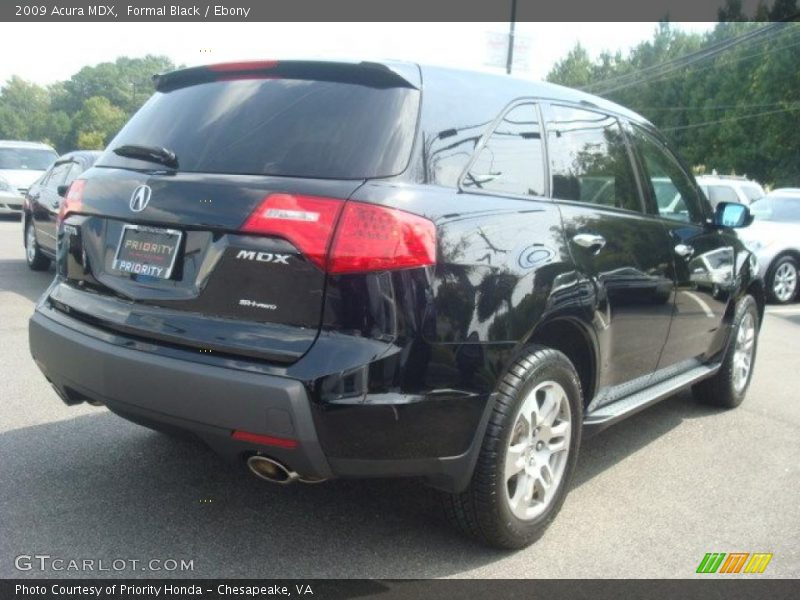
651,496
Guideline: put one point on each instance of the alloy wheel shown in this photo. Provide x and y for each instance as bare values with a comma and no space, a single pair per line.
30,244
784,282
537,452
743,351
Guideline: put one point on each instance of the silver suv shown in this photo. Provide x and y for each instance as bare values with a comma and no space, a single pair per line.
730,188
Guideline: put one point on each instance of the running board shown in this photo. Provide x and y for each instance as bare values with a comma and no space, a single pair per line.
605,416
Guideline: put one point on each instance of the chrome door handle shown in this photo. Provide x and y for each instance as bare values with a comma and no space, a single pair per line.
684,250
590,241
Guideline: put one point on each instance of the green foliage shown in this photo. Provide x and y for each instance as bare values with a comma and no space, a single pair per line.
90,140
83,112
735,111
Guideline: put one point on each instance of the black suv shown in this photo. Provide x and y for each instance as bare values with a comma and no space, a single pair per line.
333,269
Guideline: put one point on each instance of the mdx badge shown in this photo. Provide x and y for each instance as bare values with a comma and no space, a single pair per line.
140,198
267,257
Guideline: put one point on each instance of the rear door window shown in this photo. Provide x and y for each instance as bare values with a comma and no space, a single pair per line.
589,159
284,127
58,175
512,159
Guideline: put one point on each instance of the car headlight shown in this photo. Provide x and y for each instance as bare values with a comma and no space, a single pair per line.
5,186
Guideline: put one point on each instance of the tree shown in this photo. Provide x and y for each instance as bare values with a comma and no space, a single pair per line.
83,111
97,120
728,111
23,110
576,70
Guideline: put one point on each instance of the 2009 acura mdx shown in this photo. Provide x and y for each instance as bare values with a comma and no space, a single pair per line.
333,269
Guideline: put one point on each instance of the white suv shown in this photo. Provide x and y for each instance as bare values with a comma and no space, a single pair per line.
730,188
21,163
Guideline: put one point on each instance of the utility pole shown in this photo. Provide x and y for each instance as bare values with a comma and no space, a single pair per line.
510,59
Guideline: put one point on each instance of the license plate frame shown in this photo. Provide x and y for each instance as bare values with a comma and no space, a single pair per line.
147,268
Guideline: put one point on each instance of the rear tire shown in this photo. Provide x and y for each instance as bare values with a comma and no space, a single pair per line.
33,255
782,280
728,387
528,454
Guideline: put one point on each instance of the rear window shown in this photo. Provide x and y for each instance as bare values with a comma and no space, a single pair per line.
753,192
285,127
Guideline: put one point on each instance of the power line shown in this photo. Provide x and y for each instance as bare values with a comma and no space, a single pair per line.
715,107
681,61
727,120
696,70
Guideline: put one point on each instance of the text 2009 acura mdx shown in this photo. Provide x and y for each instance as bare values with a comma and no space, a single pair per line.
359,269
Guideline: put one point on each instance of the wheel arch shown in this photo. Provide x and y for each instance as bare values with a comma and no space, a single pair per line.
576,341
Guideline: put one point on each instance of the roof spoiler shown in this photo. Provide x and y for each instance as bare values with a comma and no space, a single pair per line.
370,74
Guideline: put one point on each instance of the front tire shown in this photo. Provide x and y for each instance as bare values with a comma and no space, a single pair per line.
528,455
33,255
782,280
728,387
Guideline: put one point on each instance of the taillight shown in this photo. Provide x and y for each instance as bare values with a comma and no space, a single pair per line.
306,221
376,238
73,201
368,237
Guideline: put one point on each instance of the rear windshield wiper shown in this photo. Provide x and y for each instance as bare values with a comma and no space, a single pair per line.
156,154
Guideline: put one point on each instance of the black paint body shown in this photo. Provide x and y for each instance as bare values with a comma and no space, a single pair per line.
399,367
42,200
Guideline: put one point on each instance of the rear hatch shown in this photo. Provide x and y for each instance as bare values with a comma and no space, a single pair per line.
217,239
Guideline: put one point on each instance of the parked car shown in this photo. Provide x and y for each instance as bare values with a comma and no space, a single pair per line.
774,237
43,202
730,188
785,192
323,272
21,163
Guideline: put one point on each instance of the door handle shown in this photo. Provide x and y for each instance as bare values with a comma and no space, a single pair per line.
591,241
684,250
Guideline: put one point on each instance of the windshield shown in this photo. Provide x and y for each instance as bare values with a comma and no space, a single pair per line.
777,208
285,127
34,159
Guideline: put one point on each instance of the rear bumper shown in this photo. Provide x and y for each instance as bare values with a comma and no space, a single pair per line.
213,401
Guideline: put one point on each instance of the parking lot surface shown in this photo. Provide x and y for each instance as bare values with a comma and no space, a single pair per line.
651,496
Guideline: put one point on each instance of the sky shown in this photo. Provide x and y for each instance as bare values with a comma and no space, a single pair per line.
462,45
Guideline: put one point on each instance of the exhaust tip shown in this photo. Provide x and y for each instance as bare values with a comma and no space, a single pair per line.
270,470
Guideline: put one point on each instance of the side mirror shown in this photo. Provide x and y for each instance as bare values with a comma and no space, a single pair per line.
62,190
732,214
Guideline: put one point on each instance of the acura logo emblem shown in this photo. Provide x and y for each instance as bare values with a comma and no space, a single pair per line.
140,198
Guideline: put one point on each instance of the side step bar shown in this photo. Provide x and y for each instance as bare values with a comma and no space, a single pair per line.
605,416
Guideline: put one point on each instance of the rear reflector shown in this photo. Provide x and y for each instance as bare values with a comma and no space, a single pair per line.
73,201
264,440
367,237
